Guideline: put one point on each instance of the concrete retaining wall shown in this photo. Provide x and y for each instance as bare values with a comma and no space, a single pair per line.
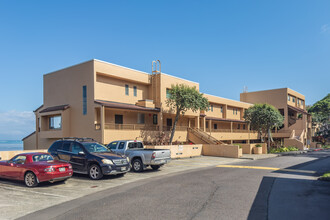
248,148
222,150
7,155
288,142
181,151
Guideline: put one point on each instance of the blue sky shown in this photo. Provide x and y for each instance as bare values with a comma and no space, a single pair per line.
223,45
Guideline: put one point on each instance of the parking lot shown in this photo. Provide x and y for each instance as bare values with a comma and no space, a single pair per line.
17,200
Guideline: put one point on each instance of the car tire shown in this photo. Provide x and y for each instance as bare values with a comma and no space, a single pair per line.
137,165
155,167
95,172
30,179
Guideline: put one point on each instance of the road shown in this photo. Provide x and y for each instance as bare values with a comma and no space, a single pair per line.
252,190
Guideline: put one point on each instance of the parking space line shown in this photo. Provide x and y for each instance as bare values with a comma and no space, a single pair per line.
22,190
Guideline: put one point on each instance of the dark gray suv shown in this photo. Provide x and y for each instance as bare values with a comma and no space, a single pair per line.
89,157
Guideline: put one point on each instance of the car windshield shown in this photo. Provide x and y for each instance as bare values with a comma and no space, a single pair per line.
95,148
42,157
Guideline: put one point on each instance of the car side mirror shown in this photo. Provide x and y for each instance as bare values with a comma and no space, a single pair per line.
81,153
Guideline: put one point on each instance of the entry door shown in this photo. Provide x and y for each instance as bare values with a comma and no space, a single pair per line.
77,161
169,122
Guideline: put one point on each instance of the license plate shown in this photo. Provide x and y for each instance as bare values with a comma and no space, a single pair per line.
123,168
61,169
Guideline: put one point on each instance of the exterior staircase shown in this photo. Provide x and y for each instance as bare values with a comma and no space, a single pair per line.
198,136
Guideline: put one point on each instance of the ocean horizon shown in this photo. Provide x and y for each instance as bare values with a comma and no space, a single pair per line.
11,145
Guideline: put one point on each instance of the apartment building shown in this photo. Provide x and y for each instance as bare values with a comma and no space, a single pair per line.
297,127
109,102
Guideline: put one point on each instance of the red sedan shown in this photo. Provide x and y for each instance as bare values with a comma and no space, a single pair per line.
34,168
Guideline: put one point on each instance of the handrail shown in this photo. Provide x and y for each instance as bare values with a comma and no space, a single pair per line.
203,135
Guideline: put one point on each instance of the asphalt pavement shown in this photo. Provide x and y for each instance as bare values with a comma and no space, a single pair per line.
275,188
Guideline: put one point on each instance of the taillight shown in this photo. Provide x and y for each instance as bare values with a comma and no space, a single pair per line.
153,156
49,169
70,167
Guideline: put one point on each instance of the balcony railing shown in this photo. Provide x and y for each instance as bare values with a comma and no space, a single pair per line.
177,128
229,131
112,126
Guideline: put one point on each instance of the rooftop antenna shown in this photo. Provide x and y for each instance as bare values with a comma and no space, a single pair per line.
245,89
156,66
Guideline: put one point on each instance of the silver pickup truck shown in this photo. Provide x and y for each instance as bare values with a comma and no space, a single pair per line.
139,156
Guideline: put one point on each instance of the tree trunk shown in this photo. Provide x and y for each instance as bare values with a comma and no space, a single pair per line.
269,137
174,125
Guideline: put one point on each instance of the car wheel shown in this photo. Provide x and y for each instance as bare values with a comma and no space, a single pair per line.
30,179
95,172
137,165
155,167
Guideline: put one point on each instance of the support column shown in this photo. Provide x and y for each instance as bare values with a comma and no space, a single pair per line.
224,111
102,123
197,122
204,124
210,126
231,127
160,121
248,127
286,118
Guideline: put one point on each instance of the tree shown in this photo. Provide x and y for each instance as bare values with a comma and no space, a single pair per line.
183,98
263,118
320,110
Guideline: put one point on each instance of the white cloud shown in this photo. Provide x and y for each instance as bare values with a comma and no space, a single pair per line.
325,28
16,125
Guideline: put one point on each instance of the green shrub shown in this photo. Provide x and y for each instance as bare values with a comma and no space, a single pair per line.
282,149
258,145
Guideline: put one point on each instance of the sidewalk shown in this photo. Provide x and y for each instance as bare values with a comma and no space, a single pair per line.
258,156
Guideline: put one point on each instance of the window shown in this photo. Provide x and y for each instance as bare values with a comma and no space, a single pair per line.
221,109
135,90
238,126
155,119
121,145
302,102
66,146
126,89
288,97
168,93
84,100
135,145
75,148
298,101
207,124
211,108
18,159
140,118
113,145
243,127
118,119
56,145
42,157
95,147
55,122
235,111
293,99
215,126
169,122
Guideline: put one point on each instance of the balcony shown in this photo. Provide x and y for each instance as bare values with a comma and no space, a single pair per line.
113,126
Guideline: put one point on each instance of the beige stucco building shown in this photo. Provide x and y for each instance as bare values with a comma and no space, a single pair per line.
296,129
108,102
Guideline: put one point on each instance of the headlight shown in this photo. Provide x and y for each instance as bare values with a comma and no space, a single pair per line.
127,159
106,161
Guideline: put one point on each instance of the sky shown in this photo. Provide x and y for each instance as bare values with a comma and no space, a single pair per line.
223,45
